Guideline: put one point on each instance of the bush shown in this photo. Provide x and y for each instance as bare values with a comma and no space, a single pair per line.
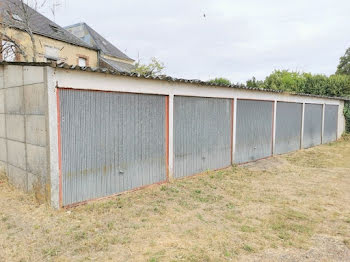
220,81
347,116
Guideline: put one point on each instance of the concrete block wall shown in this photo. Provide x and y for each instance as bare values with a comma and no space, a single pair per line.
23,128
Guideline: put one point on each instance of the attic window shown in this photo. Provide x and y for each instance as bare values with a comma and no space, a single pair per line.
56,28
17,17
82,61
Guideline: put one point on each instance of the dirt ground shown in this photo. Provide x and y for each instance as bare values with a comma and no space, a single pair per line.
294,207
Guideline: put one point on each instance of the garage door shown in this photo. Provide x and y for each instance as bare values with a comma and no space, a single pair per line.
253,130
110,143
312,125
202,134
330,123
288,127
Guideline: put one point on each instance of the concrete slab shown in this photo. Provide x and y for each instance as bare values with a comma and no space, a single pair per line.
15,127
36,159
2,77
16,155
3,150
17,177
2,126
2,100
13,76
35,99
36,130
33,75
14,100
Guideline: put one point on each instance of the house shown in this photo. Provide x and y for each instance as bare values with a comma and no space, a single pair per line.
109,56
51,41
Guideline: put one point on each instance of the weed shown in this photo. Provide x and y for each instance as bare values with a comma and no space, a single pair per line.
230,205
50,252
248,248
110,226
247,229
80,236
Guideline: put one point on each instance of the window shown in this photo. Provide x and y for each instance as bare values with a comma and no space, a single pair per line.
82,61
51,53
56,28
14,16
8,51
17,17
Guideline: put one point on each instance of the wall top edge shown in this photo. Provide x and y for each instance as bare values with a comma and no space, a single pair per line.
193,82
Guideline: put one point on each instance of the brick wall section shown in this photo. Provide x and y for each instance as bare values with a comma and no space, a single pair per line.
23,136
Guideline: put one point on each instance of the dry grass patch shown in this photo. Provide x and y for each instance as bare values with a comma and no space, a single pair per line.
239,213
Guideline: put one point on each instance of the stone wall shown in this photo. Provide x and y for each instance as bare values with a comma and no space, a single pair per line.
23,128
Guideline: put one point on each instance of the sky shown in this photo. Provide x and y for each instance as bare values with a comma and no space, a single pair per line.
204,39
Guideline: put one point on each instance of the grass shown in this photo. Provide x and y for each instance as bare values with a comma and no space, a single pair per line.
276,204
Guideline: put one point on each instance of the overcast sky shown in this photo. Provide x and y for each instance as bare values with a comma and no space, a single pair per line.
235,39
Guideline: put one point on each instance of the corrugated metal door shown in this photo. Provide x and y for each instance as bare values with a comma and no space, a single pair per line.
253,130
202,134
111,142
288,127
330,123
312,125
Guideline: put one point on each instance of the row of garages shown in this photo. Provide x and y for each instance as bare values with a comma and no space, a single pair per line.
114,142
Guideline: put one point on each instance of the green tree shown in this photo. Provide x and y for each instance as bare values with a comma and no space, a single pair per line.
253,83
344,64
220,81
285,80
154,68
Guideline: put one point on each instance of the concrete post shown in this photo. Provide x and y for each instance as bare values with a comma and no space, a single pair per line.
302,127
322,131
171,137
234,130
274,127
52,127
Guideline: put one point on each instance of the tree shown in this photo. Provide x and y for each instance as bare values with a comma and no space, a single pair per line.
154,68
253,83
220,81
344,64
17,15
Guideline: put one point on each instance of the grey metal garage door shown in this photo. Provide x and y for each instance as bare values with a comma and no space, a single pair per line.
288,127
312,125
253,130
111,142
330,123
202,134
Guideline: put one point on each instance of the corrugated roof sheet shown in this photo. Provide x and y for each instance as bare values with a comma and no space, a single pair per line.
119,66
39,24
163,78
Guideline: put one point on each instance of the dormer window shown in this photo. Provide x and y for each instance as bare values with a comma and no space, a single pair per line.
17,17
56,28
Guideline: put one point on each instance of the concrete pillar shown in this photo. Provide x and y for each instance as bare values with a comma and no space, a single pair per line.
322,131
52,136
171,137
234,128
274,127
302,127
